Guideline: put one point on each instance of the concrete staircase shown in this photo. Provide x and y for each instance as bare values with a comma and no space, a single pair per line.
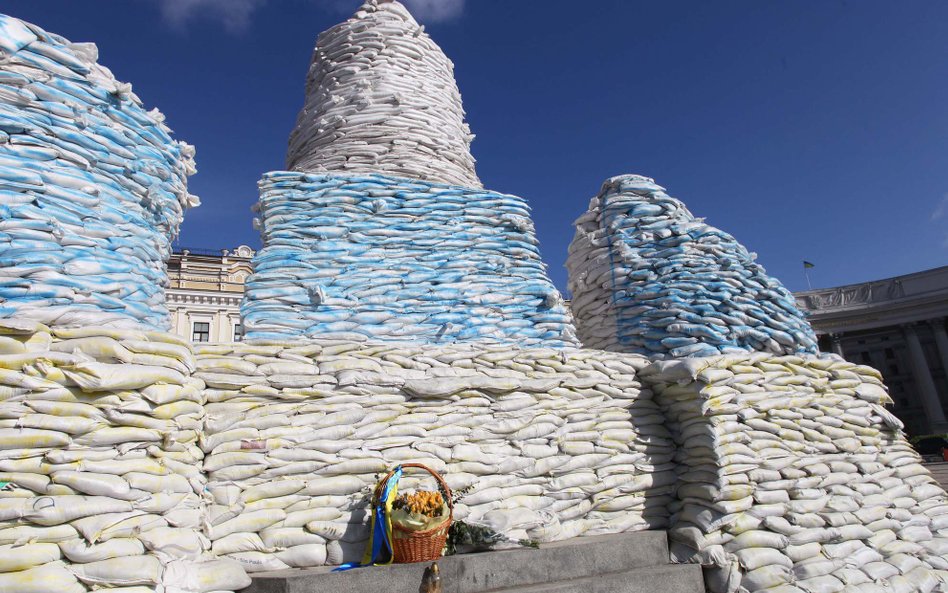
939,471
627,563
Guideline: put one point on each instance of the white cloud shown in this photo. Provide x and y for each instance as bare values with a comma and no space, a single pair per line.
435,11
426,11
941,209
233,14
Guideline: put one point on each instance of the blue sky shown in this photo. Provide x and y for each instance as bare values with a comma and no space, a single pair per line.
809,129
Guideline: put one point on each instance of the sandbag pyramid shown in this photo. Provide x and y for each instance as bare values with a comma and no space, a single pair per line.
648,277
381,231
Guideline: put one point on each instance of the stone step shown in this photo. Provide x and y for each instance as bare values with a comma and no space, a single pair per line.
585,557
939,470
672,578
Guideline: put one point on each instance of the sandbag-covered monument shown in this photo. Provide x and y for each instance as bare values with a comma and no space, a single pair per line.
399,312
381,229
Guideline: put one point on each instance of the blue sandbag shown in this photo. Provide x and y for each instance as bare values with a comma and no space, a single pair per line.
91,182
395,259
650,278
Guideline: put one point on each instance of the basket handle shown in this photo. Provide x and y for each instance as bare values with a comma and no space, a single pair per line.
444,485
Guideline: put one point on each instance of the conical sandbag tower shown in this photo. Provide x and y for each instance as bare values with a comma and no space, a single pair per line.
381,230
648,277
381,98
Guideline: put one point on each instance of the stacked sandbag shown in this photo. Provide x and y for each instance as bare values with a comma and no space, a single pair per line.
379,258
381,98
795,478
92,188
648,277
552,444
102,485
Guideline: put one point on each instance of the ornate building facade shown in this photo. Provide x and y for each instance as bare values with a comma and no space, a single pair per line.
896,325
205,292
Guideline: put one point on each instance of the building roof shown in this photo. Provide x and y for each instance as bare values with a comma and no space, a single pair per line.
867,305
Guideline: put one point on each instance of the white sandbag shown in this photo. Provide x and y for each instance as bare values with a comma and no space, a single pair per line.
204,577
172,543
82,552
17,558
56,510
54,576
303,556
258,561
94,484
131,570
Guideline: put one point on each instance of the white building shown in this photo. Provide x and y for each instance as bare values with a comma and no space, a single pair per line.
205,293
896,325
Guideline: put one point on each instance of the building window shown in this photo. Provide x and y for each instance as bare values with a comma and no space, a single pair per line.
238,332
201,331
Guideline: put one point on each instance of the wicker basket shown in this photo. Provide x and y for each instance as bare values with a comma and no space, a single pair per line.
419,546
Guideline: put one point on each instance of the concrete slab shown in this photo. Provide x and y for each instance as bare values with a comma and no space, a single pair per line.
672,578
476,573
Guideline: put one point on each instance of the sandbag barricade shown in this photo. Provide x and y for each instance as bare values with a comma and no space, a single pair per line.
381,98
92,188
795,478
391,259
100,464
648,277
557,443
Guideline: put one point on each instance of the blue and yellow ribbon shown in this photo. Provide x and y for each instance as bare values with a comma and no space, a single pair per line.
381,528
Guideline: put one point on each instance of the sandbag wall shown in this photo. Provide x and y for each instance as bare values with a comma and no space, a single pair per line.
371,257
794,478
648,277
381,98
92,188
557,444
102,484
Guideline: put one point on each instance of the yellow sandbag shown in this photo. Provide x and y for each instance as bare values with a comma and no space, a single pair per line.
96,376
15,558
42,579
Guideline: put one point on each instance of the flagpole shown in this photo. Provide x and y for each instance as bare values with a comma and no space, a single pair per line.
807,274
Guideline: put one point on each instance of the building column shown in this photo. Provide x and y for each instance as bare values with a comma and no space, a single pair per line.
837,344
181,323
188,323
941,339
924,383
221,320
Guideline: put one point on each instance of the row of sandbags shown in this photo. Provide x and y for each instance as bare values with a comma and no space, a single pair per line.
785,473
100,464
381,98
391,259
92,188
552,444
793,478
648,277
